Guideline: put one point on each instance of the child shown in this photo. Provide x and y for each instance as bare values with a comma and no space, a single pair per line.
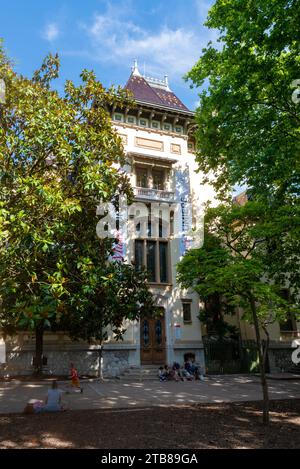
74,378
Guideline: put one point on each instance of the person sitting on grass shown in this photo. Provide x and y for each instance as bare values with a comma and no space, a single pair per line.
52,402
53,399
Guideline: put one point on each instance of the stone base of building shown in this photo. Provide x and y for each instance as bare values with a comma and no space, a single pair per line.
57,362
60,351
280,358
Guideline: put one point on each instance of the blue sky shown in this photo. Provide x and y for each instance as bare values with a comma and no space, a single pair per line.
165,36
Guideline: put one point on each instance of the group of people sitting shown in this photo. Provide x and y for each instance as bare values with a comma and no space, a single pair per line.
188,372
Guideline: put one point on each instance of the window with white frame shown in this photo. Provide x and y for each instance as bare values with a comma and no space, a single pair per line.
143,122
118,117
178,129
187,310
131,119
155,124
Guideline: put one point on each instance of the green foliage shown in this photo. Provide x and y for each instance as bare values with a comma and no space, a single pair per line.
104,297
59,156
233,263
248,134
248,124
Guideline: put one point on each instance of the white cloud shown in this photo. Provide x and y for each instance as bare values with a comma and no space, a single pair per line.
202,7
51,32
196,104
172,51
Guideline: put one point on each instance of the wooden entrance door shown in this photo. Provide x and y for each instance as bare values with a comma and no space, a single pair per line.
153,341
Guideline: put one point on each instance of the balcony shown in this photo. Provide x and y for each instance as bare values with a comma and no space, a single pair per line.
153,194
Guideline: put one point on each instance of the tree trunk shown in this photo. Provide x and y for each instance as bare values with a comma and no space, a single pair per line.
262,354
100,371
39,336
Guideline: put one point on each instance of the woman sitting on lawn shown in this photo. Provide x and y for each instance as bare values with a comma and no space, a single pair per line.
53,399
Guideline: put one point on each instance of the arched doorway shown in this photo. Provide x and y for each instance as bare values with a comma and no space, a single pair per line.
153,340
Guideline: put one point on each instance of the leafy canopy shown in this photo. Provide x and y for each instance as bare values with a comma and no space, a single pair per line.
233,263
248,124
59,156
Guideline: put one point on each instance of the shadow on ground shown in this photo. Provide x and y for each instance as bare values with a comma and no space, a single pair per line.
226,425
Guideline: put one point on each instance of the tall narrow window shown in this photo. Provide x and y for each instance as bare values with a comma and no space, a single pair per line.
158,176
187,311
154,257
142,177
172,223
139,254
160,225
163,261
151,261
149,227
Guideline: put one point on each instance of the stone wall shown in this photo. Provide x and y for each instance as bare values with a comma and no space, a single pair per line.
59,352
114,362
280,359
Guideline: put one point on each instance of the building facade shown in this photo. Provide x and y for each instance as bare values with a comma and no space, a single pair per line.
156,132
163,220
154,232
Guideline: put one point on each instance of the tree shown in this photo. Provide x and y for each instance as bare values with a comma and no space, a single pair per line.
59,156
232,263
248,122
101,297
213,314
248,118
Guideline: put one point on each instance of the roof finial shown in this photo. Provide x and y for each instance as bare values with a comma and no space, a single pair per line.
134,69
166,81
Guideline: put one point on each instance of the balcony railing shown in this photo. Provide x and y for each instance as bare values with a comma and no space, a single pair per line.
289,336
153,194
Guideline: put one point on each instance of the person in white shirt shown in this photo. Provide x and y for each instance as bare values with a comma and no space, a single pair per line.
53,400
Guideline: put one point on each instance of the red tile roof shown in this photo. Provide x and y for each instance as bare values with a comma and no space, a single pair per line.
145,93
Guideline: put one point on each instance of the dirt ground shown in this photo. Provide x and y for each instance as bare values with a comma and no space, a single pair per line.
230,425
